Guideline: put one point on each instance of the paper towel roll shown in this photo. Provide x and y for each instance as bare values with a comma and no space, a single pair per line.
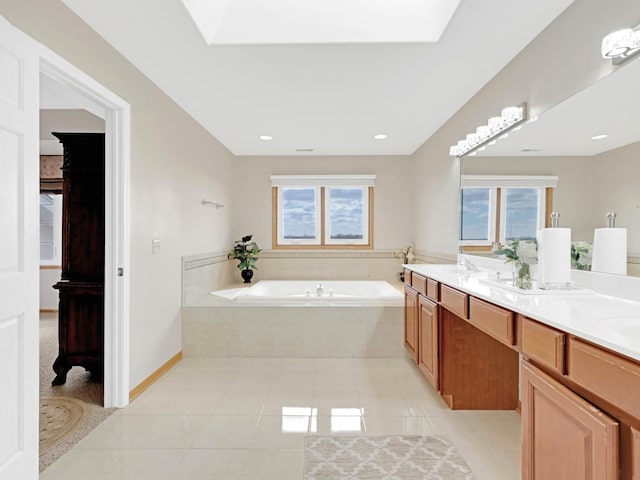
610,251
554,256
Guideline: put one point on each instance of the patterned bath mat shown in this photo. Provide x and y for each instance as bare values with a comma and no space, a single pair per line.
394,457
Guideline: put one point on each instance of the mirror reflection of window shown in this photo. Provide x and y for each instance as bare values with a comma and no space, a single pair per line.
347,420
521,213
475,214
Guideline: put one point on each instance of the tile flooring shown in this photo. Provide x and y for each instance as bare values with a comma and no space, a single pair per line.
246,418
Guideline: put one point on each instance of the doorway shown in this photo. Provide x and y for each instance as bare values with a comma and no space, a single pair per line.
63,81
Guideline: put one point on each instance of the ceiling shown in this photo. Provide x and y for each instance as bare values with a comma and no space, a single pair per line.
610,106
325,95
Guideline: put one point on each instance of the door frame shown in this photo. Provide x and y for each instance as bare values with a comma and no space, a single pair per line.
117,115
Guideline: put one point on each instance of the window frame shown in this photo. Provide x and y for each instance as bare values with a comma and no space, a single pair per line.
323,183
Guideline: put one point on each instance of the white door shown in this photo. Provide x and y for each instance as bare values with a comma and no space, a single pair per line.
19,255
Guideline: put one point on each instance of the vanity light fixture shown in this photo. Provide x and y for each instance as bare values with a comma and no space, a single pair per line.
621,45
380,136
496,128
266,137
599,137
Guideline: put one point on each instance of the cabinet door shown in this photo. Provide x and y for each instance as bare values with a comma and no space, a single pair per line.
411,321
563,436
635,454
428,340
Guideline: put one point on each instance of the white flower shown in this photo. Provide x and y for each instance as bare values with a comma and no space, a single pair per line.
406,253
527,252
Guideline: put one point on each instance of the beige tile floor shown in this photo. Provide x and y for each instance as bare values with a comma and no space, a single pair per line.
246,418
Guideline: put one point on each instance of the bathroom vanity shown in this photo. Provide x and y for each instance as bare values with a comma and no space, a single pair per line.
569,361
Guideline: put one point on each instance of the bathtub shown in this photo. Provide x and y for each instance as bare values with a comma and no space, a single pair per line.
320,292
350,319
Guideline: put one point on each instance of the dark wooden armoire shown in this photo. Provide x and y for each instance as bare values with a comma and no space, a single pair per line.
81,287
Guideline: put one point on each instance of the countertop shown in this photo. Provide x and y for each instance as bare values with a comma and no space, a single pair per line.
608,321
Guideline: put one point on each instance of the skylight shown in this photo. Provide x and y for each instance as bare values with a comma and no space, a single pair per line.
250,22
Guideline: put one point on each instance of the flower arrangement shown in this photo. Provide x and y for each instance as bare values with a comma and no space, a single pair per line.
407,257
523,254
581,253
406,254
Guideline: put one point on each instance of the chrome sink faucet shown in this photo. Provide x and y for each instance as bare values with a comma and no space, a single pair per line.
319,290
469,265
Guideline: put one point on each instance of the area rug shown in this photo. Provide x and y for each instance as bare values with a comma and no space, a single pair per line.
59,418
395,457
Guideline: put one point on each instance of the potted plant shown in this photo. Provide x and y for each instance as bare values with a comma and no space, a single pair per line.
247,252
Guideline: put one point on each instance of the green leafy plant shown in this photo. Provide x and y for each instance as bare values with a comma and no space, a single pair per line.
246,252
581,253
522,254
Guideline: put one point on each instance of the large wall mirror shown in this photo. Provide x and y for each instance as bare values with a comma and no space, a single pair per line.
591,143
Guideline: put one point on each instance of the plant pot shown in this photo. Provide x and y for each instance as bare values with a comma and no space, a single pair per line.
247,275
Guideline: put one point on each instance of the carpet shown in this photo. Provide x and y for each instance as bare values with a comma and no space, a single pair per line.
80,390
395,457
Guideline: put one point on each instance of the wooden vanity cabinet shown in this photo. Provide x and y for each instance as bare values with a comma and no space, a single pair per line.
411,321
563,435
428,331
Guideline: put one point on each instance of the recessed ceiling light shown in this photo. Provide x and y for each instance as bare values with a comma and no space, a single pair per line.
599,137
380,136
266,137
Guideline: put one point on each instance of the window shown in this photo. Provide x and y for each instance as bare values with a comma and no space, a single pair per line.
522,213
50,229
299,216
503,208
323,211
478,216
346,216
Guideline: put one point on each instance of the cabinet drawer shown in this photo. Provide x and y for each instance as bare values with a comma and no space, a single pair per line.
610,376
419,283
544,344
433,290
454,301
493,320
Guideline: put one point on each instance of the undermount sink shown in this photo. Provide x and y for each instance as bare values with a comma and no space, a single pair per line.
507,284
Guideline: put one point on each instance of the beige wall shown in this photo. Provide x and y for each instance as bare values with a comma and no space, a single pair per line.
616,189
562,60
393,215
174,164
48,295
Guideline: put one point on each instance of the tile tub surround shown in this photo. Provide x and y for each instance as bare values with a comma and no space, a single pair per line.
224,329
611,322
232,418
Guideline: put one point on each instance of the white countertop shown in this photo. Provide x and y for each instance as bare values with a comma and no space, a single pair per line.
611,322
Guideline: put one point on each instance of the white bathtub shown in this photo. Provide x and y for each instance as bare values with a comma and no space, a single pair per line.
331,292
